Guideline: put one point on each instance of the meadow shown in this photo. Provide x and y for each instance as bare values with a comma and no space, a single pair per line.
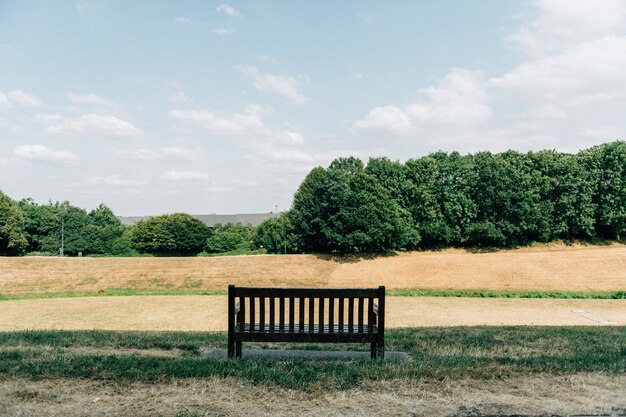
536,366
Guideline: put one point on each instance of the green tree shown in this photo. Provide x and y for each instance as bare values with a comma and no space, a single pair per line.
440,197
274,235
230,238
308,212
607,167
170,234
344,209
103,231
42,225
12,238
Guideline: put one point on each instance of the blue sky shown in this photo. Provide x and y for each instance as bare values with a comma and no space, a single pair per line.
202,107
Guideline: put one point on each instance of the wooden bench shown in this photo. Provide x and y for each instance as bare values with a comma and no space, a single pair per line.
314,315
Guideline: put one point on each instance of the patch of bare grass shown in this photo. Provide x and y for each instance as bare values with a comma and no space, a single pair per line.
534,395
544,268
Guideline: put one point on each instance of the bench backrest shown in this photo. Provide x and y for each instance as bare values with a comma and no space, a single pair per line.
295,309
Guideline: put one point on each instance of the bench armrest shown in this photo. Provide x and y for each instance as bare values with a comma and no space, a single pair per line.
237,308
375,309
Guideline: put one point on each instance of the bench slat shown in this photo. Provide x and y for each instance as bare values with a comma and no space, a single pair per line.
261,314
307,329
370,314
242,310
321,312
331,314
252,312
306,292
272,314
292,313
350,314
301,315
341,314
281,318
311,311
361,308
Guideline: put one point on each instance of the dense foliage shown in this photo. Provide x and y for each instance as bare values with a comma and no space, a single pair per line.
439,200
230,238
12,239
170,234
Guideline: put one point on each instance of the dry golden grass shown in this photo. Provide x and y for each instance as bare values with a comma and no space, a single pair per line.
579,394
545,268
208,313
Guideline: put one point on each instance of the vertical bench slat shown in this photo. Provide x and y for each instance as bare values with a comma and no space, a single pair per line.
381,322
272,314
361,308
351,315
261,314
252,314
281,324
231,322
321,316
331,315
242,313
311,313
301,315
370,315
292,313
341,315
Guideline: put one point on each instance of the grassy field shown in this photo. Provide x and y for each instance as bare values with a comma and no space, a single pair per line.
453,371
545,271
436,353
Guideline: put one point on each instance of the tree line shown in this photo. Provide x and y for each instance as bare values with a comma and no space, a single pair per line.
440,200
43,229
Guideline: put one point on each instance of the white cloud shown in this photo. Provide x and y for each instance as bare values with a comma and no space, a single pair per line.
115,180
180,153
556,24
4,100
180,97
174,175
224,31
286,155
44,153
229,10
19,98
288,87
248,126
388,118
249,123
89,123
91,99
167,152
183,19
458,100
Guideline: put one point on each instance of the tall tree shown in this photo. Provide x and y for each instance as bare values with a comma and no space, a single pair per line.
12,238
607,166
103,231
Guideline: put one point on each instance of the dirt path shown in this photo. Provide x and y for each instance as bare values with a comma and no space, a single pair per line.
582,394
545,268
208,313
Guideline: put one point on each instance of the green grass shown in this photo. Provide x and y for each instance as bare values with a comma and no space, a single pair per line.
606,295
439,353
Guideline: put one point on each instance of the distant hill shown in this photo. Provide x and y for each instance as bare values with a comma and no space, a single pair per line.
252,219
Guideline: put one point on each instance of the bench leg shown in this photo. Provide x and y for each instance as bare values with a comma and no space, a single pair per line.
238,349
373,350
381,350
231,347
